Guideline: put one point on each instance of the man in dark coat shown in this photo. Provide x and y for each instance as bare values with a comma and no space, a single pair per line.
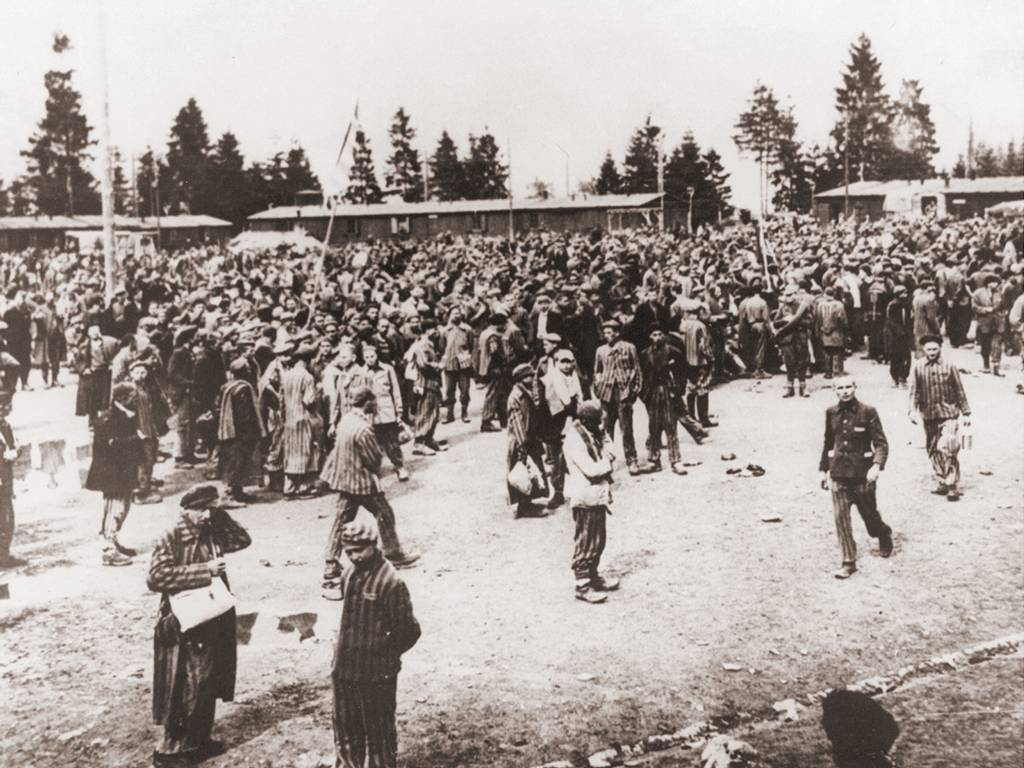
116,454
899,336
377,627
179,380
660,389
19,335
207,379
192,669
94,357
853,455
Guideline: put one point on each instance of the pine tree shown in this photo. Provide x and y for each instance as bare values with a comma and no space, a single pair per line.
987,161
960,169
1013,164
404,169
446,181
539,190
5,200
483,175
121,188
608,181
149,169
230,197
363,188
913,136
865,115
640,168
21,195
298,175
687,168
719,179
761,131
59,150
187,161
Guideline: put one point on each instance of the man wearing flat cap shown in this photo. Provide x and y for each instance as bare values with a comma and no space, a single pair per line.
192,669
352,470
501,347
378,626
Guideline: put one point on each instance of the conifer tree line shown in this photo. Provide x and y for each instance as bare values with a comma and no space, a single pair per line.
876,136
683,168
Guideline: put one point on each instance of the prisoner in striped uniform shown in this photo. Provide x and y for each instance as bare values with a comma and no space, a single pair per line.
617,383
937,393
352,469
588,486
852,456
659,363
377,627
301,450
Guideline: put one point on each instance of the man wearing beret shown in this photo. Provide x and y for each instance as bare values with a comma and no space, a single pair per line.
377,627
191,670
852,457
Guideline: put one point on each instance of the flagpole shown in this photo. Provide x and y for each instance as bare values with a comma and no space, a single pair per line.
105,186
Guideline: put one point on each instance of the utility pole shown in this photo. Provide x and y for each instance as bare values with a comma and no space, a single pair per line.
689,209
426,178
846,167
135,189
156,200
105,177
566,154
511,217
661,184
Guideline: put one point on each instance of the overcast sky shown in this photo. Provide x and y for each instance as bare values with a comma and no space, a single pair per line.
580,74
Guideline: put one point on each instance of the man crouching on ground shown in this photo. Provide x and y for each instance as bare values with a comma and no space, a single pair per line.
377,627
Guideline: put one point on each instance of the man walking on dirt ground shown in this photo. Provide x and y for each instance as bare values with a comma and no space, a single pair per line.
937,393
852,457
377,627
352,469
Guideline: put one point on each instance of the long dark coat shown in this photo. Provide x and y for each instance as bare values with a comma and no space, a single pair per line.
116,451
190,667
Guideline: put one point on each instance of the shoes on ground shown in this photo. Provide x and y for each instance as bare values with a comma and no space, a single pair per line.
423,450
601,584
403,474
885,545
846,571
126,551
149,498
678,468
556,501
953,496
116,559
940,491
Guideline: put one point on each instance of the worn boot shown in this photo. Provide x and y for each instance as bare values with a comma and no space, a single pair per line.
465,414
703,407
449,416
995,370
803,389
789,390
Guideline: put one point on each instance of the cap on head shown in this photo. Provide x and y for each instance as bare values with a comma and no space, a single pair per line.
930,338
362,396
359,533
589,411
200,497
522,372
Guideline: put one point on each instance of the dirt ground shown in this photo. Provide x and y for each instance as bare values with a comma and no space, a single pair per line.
511,671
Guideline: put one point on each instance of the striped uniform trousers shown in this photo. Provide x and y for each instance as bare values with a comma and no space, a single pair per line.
365,735
943,443
589,540
862,494
661,417
115,510
377,505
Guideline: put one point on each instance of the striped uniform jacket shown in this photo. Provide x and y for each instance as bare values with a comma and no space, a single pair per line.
617,372
458,339
428,371
301,451
354,463
936,390
383,380
207,654
347,382
377,623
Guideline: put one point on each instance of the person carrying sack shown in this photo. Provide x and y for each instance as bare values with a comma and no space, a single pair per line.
194,668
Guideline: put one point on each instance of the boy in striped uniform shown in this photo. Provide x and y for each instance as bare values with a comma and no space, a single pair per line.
377,627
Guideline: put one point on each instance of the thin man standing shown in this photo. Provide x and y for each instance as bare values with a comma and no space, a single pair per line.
852,457
377,627
937,394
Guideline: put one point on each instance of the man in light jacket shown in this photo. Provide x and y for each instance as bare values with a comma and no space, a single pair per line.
588,486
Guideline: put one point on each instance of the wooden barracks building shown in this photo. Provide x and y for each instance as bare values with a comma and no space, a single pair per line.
401,219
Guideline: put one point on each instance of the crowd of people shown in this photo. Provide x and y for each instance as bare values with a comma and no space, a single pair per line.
300,373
